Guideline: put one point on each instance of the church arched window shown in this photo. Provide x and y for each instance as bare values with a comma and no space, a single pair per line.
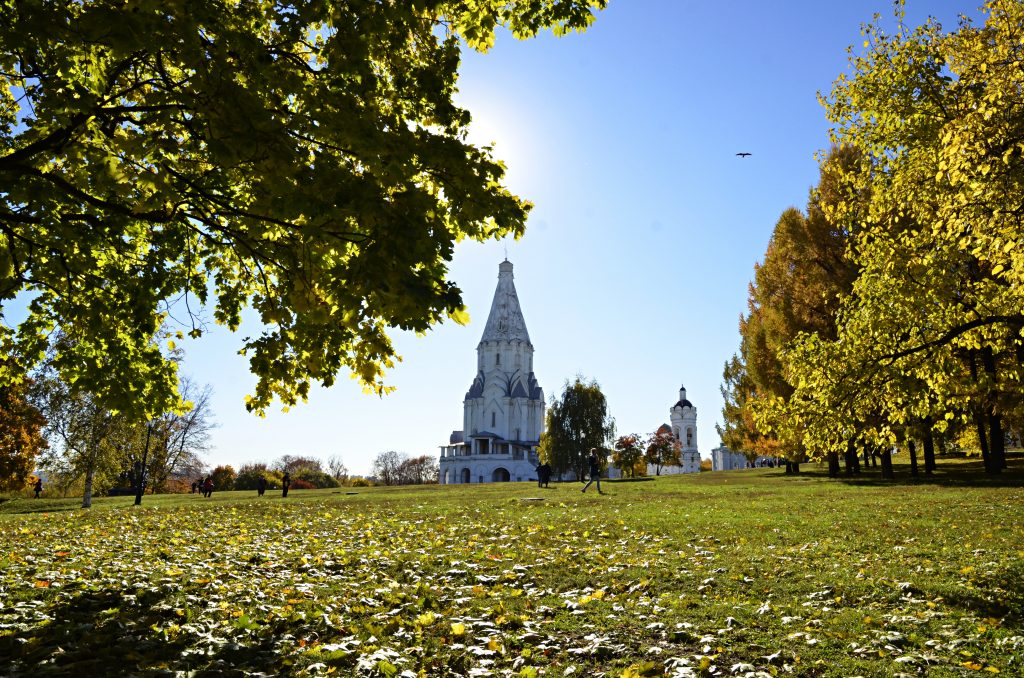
497,358
689,437
493,416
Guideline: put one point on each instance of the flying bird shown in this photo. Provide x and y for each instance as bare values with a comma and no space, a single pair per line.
743,155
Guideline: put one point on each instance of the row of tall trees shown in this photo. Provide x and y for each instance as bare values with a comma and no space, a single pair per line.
889,313
92,448
305,472
398,468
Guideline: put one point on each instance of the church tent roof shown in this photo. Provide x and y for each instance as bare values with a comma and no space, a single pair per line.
505,322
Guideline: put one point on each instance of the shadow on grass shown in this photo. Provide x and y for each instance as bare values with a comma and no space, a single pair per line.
645,479
98,633
998,595
19,505
959,474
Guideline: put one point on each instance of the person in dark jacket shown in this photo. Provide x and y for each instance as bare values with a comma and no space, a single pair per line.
595,471
286,482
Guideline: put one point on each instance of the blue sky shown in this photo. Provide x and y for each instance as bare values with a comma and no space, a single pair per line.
646,226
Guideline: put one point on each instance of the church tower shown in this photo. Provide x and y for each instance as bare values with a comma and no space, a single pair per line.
503,411
683,417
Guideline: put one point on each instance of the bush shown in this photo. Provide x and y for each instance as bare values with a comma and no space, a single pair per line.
177,486
360,482
248,477
223,478
300,484
317,479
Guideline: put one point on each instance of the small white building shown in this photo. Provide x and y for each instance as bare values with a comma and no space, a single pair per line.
503,411
724,459
683,418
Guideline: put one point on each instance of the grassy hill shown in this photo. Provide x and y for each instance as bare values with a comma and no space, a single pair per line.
736,573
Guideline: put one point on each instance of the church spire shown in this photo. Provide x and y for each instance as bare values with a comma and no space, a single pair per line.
505,322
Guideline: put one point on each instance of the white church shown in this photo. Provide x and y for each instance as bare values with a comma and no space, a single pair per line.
503,411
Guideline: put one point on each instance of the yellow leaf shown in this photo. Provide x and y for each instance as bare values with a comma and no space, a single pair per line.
458,629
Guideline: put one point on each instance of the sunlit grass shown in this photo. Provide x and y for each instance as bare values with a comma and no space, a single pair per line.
730,573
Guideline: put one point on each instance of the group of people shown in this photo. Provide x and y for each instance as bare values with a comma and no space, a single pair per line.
544,472
203,486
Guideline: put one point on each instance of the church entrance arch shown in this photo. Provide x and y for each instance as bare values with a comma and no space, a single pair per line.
464,477
500,475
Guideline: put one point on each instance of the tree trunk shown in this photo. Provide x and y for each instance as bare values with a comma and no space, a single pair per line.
87,495
140,481
887,472
995,439
996,443
912,450
833,464
789,467
929,447
979,420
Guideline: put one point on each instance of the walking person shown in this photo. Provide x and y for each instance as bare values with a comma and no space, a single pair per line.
208,487
286,482
595,471
38,487
261,485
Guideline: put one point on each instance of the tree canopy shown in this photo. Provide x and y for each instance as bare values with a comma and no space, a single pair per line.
302,159
576,422
21,436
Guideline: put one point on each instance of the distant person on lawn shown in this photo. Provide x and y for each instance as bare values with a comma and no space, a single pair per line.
595,471
208,487
261,485
38,487
286,482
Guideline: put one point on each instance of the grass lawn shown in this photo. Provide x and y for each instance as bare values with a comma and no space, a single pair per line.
735,573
